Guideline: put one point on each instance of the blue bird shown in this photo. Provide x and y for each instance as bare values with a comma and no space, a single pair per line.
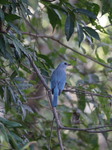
58,80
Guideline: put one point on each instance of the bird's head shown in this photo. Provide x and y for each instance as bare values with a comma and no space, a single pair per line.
64,65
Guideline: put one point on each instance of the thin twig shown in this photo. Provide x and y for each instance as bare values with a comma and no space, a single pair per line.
74,50
60,139
51,133
87,92
36,97
89,130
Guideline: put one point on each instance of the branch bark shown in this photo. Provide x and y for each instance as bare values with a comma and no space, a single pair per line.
74,50
86,92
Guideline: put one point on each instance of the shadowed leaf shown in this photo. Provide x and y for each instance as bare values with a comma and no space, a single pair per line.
69,26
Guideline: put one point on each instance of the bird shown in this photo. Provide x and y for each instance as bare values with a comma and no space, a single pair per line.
58,80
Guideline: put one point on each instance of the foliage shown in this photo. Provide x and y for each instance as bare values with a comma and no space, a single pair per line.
24,125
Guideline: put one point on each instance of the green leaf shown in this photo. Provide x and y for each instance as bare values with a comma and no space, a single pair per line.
13,142
14,74
69,26
24,109
92,32
54,17
99,59
7,98
94,8
92,141
3,133
86,12
11,17
46,58
109,60
15,28
100,28
16,137
2,45
12,94
8,123
4,2
28,145
81,100
57,7
67,118
1,14
80,33
25,68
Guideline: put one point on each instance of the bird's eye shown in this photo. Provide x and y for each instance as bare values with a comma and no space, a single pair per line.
65,63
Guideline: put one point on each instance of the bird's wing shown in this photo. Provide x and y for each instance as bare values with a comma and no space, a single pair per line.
62,82
54,79
58,78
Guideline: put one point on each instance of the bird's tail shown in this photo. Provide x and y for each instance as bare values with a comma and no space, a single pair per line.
55,97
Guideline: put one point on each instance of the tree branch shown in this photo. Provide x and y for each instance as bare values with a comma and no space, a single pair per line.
59,126
86,92
89,130
50,98
75,51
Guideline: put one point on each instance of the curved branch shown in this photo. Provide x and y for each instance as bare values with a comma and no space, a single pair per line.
86,92
50,98
58,41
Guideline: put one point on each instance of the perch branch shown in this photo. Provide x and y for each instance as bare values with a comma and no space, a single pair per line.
50,98
86,92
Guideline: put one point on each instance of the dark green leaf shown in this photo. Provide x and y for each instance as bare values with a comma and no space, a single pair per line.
1,14
7,98
11,17
69,26
13,142
16,137
92,32
54,17
2,45
4,2
99,27
109,60
12,94
13,75
81,101
86,12
110,17
57,7
94,8
3,132
25,68
12,124
46,58
80,33
15,28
